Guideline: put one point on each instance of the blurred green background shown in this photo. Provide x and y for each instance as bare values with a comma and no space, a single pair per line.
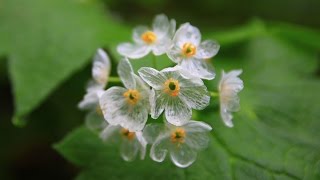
45,62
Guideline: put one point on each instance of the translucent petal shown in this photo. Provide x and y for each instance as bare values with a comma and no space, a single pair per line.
143,144
159,149
162,46
110,134
158,102
126,74
182,155
90,99
101,67
152,77
174,53
197,126
196,97
129,149
187,34
207,49
133,51
172,29
95,121
226,116
137,33
152,131
197,68
161,25
197,140
177,112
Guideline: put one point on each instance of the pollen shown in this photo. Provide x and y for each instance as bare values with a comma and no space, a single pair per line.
189,50
172,87
127,134
132,96
178,135
149,37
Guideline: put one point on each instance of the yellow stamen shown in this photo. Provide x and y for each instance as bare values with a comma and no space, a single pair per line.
149,37
172,87
127,134
132,96
178,135
188,49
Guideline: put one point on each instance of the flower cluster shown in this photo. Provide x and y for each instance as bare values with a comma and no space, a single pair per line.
120,114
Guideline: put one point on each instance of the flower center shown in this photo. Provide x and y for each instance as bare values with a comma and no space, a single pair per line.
188,49
132,96
178,135
172,87
149,37
127,134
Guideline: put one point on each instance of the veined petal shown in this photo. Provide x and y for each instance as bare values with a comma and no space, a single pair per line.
133,51
152,77
159,149
161,25
158,102
137,33
182,155
177,112
110,133
197,126
161,46
152,131
174,53
187,34
207,49
101,67
129,149
196,97
197,68
95,121
126,74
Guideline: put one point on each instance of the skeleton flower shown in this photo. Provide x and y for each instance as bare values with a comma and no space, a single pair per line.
156,39
190,53
128,107
175,94
229,86
100,74
130,142
182,142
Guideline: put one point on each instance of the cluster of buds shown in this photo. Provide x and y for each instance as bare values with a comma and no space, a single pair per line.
120,114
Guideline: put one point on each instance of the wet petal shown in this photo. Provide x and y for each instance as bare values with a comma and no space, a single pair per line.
110,134
137,33
152,77
177,112
161,47
101,67
95,121
182,155
133,51
90,99
161,25
159,149
152,131
129,149
174,53
187,34
207,49
196,97
126,74
197,68
158,102
143,144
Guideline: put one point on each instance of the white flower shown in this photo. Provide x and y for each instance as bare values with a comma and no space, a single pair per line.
100,73
130,142
128,106
175,94
182,142
156,39
190,53
229,86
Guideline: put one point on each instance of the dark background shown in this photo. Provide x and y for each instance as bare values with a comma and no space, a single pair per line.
26,153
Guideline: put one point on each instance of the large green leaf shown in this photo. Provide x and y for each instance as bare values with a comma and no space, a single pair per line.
47,41
275,136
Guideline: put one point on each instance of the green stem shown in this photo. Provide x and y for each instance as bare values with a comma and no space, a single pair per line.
154,61
114,79
213,94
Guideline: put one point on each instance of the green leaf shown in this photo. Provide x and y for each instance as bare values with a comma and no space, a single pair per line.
47,41
276,133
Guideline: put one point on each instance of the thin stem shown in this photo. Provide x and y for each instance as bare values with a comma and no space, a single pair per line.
154,61
213,94
114,79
